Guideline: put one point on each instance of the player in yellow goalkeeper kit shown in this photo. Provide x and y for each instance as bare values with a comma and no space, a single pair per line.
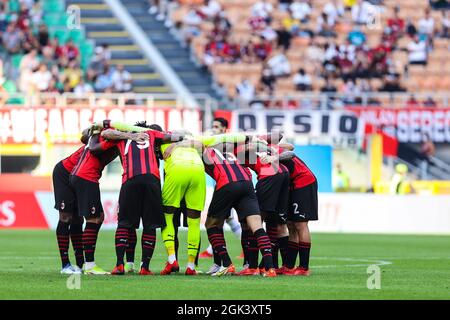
184,179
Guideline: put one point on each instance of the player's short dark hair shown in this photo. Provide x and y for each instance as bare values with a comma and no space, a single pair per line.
156,127
222,121
142,124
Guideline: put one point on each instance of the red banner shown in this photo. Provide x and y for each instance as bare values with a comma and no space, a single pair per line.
409,124
21,125
21,210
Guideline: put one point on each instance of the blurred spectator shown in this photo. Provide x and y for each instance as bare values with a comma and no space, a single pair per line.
323,26
83,88
301,10
43,36
210,9
262,49
68,51
104,80
121,79
341,179
283,38
427,148
440,4
391,84
291,25
361,12
445,24
412,101
348,4
302,81
268,81
72,75
102,56
411,29
279,65
12,39
3,18
429,102
283,5
42,78
396,23
191,24
245,90
333,10
356,36
29,42
328,87
426,27
263,9
29,61
417,51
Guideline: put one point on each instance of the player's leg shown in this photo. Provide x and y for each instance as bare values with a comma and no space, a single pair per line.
131,250
90,207
76,236
65,203
214,229
194,196
247,208
292,250
193,239
148,242
218,211
152,217
250,249
62,236
304,247
308,208
173,191
282,210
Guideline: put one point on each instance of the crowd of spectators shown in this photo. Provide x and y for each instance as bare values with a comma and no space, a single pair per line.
46,64
354,60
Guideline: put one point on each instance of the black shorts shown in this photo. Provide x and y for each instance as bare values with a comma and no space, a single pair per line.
239,195
273,197
65,198
88,197
140,198
304,204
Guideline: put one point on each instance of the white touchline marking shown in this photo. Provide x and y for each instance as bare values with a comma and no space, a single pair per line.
368,262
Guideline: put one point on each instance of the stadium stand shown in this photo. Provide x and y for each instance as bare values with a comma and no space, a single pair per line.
338,48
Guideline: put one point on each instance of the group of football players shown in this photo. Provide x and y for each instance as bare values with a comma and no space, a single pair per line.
273,215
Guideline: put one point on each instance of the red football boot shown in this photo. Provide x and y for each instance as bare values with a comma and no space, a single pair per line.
190,272
118,270
205,254
170,267
146,272
299,271
248,272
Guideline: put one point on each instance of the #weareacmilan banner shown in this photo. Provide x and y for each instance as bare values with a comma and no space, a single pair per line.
63,124
334,124
409,124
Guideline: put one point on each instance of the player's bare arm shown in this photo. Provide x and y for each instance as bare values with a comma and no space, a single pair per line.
111,134
286,155
287,146
183,144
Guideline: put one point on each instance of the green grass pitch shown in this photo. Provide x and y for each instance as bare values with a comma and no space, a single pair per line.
412,267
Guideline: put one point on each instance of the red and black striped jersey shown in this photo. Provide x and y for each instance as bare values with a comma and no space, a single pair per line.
253,161
71,161
90,166
224,168
300,174
138,158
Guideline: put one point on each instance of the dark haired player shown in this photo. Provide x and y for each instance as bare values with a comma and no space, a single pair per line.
140,195
304,208
70,224
84,179
220,126
272,190
234,189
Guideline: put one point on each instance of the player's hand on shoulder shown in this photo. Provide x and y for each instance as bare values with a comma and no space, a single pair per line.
140,137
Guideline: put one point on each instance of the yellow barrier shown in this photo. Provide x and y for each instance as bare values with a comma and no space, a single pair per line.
419,187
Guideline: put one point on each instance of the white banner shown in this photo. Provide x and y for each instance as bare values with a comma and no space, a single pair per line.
369,213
